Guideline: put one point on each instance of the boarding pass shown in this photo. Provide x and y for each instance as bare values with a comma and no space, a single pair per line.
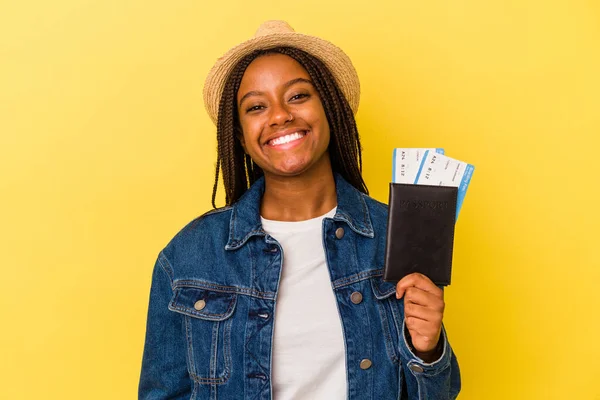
429,166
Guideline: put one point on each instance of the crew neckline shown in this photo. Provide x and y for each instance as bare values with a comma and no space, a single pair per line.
274,224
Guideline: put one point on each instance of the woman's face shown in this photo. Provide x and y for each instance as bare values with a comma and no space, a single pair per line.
284,127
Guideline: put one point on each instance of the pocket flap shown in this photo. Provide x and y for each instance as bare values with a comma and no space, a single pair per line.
202,303
381,288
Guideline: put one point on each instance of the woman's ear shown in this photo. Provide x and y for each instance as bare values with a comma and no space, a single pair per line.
240,136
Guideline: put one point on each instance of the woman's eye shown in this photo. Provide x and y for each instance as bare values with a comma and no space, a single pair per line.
253,108
299,96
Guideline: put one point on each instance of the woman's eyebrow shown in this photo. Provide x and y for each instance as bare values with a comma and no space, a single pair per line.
285,85
297,80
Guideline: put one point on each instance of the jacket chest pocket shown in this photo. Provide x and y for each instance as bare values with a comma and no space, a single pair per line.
207,325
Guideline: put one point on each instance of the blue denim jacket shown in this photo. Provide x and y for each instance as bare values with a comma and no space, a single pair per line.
212,302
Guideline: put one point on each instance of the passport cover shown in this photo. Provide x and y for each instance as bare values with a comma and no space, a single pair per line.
420,232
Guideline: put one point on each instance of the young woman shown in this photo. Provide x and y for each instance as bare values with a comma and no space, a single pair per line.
279,294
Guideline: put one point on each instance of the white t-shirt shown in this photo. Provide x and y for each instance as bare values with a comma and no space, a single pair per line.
309,358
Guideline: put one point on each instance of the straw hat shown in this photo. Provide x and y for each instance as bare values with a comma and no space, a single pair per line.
275,34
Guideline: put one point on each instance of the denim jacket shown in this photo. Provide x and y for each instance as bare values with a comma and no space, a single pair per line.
214,287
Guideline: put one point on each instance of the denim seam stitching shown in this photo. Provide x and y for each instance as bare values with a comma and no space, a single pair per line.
236,244
213,391
381,306
263,370
164,263
426,366
232,223
224,289
227,348
190,347
214,353
193,373
194,391
217,211
379,294
208,381
366,216
400,329
343,217
187,310
360,276
201,380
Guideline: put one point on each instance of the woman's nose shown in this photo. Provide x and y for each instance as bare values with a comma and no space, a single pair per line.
280,115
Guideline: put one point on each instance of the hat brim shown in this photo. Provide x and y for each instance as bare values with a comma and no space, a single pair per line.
332,56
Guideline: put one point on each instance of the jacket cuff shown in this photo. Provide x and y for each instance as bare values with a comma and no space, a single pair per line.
416,364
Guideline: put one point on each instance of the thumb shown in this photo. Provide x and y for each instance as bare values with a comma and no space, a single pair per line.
400,290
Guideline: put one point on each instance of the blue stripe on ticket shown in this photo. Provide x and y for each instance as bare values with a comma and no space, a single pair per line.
464,185
421,166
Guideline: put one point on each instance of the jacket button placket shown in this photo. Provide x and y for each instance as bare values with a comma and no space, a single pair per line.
259,329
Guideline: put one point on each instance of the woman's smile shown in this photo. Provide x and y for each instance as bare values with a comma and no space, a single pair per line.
286,141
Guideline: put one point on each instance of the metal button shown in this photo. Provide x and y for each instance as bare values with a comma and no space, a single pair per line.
416,368
339,233
199,305
356,297
365,364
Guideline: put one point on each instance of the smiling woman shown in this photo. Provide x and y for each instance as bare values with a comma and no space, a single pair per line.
275,83
283,125
280,293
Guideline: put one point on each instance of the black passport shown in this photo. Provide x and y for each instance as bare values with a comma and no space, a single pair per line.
420,232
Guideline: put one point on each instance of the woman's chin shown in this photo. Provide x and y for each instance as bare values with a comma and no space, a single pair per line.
290,168
297,166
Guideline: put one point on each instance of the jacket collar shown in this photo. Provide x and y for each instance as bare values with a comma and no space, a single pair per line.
245,216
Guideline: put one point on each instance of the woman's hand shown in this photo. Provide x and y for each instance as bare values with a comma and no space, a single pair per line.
423,313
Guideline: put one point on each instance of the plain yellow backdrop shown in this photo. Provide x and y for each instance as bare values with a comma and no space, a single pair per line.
106,152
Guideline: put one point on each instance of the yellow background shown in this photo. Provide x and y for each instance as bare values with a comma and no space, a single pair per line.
106,152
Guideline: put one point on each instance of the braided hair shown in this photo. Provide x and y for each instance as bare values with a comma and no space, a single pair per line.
240,172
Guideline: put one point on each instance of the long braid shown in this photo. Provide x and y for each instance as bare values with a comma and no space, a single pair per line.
240,172
230,154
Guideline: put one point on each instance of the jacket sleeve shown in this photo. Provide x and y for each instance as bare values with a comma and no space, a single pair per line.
439,380
164,373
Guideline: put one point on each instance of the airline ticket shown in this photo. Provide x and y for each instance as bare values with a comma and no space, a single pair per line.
430,166
406,163
440,170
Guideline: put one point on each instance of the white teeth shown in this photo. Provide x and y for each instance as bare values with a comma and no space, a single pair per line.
287,138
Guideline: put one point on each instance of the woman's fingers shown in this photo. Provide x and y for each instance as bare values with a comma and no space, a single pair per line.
419,281
416,311
423,298
423,336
